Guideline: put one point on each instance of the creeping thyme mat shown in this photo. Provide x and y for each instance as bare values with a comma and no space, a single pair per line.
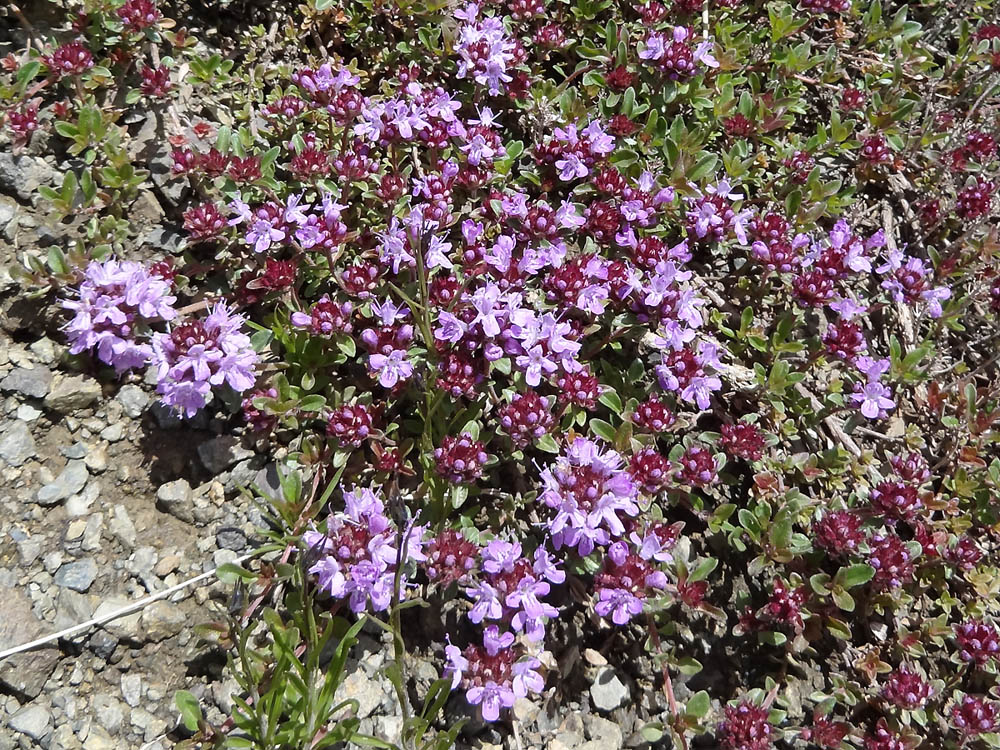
636,329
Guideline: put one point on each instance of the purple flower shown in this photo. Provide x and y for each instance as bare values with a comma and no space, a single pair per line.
621,604
262,234
391,369
873,398
492,698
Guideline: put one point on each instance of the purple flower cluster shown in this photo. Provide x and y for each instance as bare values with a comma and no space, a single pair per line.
197,354
590,490
485,49
113,307
358,552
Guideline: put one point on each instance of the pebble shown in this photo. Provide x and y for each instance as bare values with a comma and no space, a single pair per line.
32,720
230,538
133,399
122,528
97,458
72,392
69,482
366,691
109,713
44,350
113,432
167,565
25,673
99,739
34,382
27,413
162,620
608,691
78,575
92,534
17,445
126,626
132,689
176,499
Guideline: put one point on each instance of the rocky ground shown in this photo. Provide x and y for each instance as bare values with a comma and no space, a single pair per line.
104,500
107,498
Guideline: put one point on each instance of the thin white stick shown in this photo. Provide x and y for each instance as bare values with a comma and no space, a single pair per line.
133,607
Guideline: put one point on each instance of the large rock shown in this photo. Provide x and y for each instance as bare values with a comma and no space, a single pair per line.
34,382
27,672
72,392
16,444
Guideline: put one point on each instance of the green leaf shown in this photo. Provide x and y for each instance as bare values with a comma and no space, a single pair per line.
187,704
855,575
548,444
315,402
698,705
602,429
231,572
843,600
652,732
611,400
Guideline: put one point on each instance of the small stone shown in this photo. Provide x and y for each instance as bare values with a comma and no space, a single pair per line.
99,739
525,710
17,445
221,452
109,713
607,734
77,450
167,565
69,482
34,382
176,499
72,608
122,528
23,174
92,534
75,529
78,575
230,538
44,350
79,504
52,561
142,561
162,620
97,458
127,626
113,432
32,720
27,413
72,392
133,399
132,689
608,691
103,644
